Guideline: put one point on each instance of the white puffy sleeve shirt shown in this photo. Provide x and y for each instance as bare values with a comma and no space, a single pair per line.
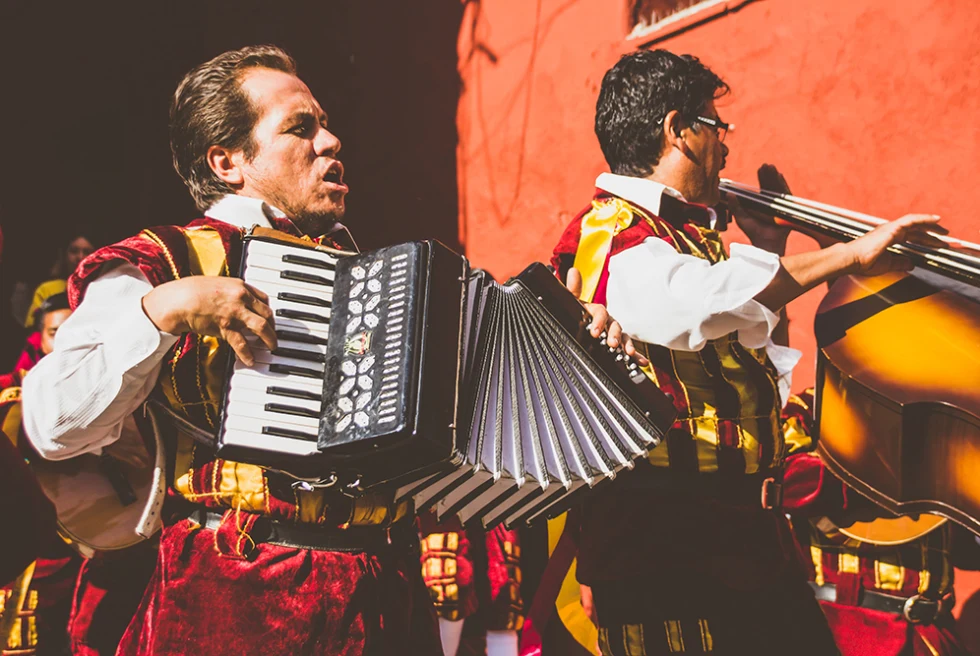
681,301
107,356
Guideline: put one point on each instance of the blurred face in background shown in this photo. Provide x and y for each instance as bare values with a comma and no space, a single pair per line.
49,327
75,252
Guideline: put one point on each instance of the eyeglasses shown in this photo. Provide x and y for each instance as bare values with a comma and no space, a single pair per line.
721,128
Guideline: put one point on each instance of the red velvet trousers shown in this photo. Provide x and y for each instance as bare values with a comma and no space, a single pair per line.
206,598
107,594
863,632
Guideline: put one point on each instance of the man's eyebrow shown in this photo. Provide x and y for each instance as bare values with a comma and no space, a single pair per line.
306,114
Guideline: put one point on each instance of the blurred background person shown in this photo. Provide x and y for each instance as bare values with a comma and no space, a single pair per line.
75,249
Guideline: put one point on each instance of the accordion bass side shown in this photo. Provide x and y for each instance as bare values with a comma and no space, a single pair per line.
403,367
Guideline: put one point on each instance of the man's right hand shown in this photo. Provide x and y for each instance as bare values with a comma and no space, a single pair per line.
213,305
869,253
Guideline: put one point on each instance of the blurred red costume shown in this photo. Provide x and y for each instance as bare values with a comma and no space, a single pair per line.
922,567
473,575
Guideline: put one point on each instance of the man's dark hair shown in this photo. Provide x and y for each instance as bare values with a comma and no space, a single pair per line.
211,109
52,303
637,93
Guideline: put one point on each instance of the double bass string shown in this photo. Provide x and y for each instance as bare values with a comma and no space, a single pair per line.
845,224
854,219
840,226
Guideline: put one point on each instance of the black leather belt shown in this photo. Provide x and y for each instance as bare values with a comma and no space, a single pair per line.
401,535
915,609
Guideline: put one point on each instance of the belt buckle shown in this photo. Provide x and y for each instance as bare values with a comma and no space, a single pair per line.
772,494
908,610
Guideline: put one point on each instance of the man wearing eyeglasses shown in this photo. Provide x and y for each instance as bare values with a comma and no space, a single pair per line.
690,553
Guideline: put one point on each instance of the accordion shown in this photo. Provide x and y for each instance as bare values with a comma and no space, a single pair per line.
403,367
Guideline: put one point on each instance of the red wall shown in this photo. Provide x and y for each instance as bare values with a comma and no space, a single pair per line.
872,105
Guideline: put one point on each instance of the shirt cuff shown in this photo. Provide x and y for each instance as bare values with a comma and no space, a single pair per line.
784,359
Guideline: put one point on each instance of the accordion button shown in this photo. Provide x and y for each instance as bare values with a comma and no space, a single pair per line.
353,324
348,367
373,301
358,272
361,419
374,285
365,364
371,320
342,424
375,268
346,386
365,382
345,404
355,307
356,290
362,400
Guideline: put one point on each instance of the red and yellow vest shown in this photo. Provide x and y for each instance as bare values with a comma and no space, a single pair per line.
192,379
726,395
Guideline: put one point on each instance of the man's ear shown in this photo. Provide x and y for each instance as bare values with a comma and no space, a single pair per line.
226,164
673,126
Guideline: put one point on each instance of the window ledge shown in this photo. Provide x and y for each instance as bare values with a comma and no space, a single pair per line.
683,20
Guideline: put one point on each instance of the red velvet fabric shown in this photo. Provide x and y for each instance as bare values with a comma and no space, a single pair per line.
25,361
107,593
863,632
810,490
280,601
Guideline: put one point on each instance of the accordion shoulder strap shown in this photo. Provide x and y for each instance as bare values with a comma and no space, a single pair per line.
271,234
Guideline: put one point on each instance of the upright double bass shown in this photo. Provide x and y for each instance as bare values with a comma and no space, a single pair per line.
897,396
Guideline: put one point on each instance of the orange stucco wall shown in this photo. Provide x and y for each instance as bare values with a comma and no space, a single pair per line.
872,105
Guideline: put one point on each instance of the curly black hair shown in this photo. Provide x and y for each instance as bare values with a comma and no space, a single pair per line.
637,93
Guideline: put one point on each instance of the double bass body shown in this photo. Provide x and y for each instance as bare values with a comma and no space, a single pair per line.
898,395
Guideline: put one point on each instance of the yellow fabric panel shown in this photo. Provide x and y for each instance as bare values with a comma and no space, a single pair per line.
206,253
11,423
675,637
242,485
43,292
889,576
213,358
569,601
599,226
183,477
370,510
14,603
924,578
604,647
633,640
848,563
795,437
817,555
707,642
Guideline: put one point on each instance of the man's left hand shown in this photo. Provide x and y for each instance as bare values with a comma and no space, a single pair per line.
761,229
602,321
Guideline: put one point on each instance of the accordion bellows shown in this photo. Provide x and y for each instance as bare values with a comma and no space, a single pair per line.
487,400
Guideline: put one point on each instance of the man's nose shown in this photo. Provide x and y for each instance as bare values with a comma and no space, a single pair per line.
326,143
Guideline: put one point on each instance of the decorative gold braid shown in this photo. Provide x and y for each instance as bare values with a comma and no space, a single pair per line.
672,232
199,365
166,252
